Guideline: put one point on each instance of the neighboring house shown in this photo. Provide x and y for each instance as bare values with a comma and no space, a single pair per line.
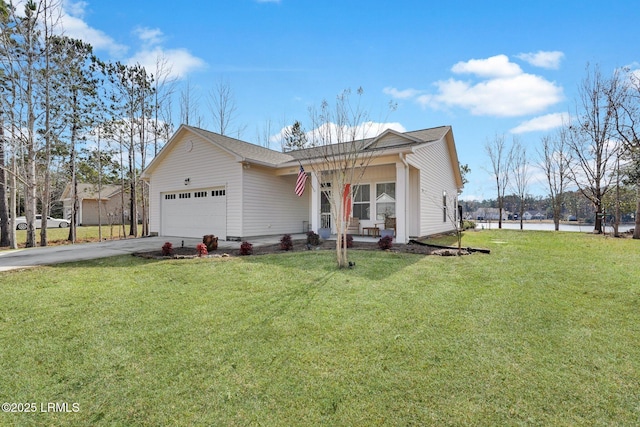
205,183
111,206
538,215
490,214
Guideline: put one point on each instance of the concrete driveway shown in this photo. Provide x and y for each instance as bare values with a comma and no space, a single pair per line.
30,257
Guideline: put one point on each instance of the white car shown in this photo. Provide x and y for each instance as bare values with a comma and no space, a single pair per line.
21,222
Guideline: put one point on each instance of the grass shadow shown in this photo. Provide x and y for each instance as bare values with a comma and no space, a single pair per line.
367,264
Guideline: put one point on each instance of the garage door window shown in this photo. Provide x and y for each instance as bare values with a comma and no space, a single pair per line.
184,195
169,196
218,193
200,194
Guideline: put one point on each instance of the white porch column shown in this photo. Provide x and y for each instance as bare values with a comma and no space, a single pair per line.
315,203
402,183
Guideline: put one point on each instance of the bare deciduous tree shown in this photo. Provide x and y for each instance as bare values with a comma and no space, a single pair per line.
591,140
189,110
500,158
222,105
164,87
626,100
5,232
520,173
555,160
339,158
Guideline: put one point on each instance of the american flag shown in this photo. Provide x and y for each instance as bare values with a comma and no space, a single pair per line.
300,182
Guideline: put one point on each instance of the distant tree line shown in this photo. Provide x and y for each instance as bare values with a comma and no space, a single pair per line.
574,206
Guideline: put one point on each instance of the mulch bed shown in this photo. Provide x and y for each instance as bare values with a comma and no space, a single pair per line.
298,246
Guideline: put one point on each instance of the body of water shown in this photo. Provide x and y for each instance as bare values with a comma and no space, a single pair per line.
546,226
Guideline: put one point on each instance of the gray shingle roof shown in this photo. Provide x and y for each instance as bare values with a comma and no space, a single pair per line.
256,153
378,143
90,191
246,150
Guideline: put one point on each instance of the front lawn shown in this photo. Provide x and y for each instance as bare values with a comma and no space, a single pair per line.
544,331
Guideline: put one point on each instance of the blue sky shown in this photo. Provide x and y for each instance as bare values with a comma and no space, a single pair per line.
485,68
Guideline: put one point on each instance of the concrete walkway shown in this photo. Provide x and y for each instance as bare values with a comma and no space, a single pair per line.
31,257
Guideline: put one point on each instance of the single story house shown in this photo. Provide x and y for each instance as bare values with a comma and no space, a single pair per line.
489,214
111,206
538,215
205,183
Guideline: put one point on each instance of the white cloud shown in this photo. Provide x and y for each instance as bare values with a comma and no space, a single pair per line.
75,8
500,89
180,61
495,66
150,36
401,94
74,26
503,97
550,60
542,123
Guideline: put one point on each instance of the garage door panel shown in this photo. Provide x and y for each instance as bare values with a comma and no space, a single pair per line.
194,213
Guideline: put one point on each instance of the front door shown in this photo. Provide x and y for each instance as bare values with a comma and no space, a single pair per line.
325,209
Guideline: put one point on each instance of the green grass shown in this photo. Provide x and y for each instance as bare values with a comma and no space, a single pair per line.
544,331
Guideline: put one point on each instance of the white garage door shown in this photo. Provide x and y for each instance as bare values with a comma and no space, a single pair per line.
194,213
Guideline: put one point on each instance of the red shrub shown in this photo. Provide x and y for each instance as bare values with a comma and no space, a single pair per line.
167,249
286,244
201,248
246,248
385,243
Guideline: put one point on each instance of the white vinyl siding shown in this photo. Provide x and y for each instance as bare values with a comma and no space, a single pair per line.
436,176
270,205
206,166
391,140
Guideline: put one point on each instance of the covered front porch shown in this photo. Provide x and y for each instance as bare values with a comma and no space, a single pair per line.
387,196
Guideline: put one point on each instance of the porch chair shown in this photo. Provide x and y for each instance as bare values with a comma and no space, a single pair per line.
389,223
354,226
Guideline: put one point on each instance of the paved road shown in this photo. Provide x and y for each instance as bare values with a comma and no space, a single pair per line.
24,258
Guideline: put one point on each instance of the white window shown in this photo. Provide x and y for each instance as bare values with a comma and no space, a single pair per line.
444,206
385,200
362,202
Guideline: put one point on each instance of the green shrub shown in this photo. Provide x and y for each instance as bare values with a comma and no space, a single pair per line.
468,225
313,238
